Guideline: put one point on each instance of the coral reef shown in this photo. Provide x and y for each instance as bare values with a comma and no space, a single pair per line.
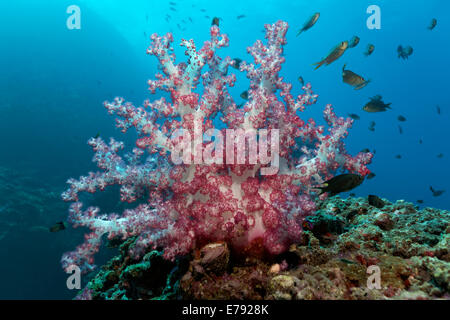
410,247
205,195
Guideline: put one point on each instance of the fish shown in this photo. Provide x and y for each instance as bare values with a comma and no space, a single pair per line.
375,201
371,175
366,150
354,116
310,23
400,129
172,3
335,54
59,226
376,104
432,24
347,261
401,118
398,156
300,79
440,155
372,126
97,135
353,79
172,8
404,52
420,141
237,63
341,183
369,50
353,42
215,21
420,201
241,16
244,95
438,110
436,193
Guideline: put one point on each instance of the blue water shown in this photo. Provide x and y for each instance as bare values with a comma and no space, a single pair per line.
53,82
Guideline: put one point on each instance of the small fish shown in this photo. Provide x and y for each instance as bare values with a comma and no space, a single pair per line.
366,150
203,10
354,116
399,156
436,193
97,135
353,79
341,183
59,226
369,50
440,155
376,104
405,52
310,23
172,3
420,201
352,194
438,109
172,8
190,19
241,16
371,175
244,95
347,261
300,79
372,126
400,129
237,63
432,24
353,42
420,141
335,54
375,201
215,21
401,118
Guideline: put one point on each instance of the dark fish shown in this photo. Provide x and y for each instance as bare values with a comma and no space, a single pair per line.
352,194
172,3
420,141
341,183
190,19
353,79
369,50
399,156
366,150
438,109
400,129
97,135
59,226
172,8
375,201
310,23
440,155
354,116
215,21
335,54
240,16
420,201
372,126
244,95
376,104
401,118
300,79
405,52
432,24
436,193
237,63
353,42
203,10
371,175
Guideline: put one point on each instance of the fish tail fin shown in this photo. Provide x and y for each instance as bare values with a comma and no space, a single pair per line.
318,64
431,189
388,105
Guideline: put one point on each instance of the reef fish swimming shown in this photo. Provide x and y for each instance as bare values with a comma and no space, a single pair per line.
353,79
335,54
341,183
310,23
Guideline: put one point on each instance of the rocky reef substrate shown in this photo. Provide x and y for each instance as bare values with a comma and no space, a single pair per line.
408,247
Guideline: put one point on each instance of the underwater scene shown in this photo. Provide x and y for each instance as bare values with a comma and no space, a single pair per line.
224,150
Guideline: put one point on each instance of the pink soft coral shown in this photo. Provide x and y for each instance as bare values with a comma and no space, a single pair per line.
194,202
